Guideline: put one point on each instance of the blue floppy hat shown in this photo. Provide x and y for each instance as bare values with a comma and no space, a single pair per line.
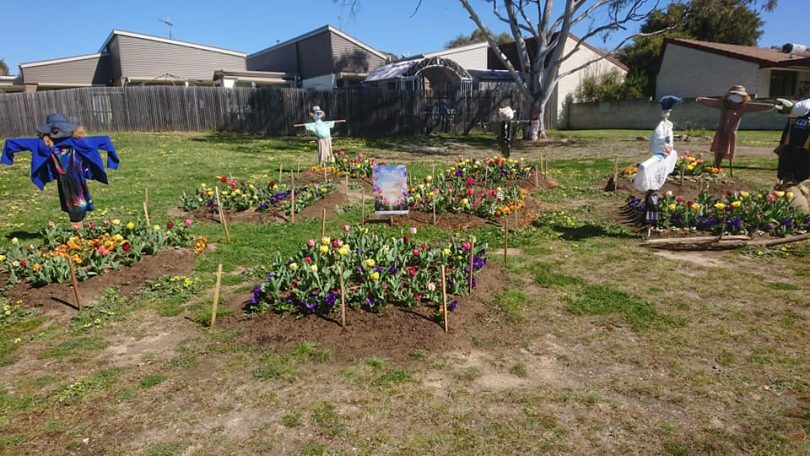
669,101
57,126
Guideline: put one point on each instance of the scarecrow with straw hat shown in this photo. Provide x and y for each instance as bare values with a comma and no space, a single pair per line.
63,152
323,131
733,105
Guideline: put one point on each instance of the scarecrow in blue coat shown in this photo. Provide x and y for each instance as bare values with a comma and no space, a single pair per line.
63,153
323,131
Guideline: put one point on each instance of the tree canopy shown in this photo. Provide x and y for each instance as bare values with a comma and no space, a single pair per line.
477,36
722,21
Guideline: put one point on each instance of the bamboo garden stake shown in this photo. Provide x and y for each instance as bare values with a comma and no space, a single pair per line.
222,217
280,167
292,199
146,205
472,257
75,281
342,298
444,298
216,296
323,223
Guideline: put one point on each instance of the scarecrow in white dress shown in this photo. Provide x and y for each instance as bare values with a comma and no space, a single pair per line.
323,131
652,173
506,130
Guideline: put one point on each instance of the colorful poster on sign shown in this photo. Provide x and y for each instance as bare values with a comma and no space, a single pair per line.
390,189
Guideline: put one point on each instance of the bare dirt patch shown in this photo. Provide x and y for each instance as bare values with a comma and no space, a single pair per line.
395,332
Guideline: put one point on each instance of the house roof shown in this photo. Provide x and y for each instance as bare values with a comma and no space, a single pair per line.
60,60
609,57
169,41
318,31
765,57
391,70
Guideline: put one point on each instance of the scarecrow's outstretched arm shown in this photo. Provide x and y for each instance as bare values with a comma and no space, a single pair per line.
12,146
710,102
304,125
105,143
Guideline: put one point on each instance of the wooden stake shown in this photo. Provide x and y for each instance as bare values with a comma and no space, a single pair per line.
616,172
323,223
325,179
216,296
472,256
434,209
292,199
505,240
362,206
444,298
222,217
542,170
342,298
146,212
75,281
280,167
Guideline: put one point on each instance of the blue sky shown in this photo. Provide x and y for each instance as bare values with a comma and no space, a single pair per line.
251,25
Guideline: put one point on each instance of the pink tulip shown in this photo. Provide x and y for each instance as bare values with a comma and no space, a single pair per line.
311,243
346,228
188,222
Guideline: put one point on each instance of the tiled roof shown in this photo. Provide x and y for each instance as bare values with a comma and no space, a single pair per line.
762,56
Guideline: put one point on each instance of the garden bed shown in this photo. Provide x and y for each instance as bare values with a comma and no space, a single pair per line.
521,218
57,298
396,332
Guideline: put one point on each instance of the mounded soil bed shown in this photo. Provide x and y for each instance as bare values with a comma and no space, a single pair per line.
57,298
330,202
456,221
395,332
690,189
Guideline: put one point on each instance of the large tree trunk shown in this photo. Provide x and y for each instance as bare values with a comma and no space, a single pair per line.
534,114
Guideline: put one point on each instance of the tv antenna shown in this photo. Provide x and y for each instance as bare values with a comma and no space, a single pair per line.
169,24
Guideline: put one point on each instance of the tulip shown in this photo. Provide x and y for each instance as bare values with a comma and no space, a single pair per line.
323,248
779,194
325,241
130,226
415,252
188,222
308,260
789,195
311,243
466,246
314,268
744,195
156,227
170,224
413,230
346,228
672,206
375,276
293,266
736,204
719,206
15,241
370,263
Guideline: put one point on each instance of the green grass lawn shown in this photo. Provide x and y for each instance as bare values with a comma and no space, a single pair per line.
597,345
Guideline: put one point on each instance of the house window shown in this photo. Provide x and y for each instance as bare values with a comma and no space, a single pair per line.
783,83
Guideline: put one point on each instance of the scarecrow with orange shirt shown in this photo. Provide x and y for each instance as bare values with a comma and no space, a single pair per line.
733,105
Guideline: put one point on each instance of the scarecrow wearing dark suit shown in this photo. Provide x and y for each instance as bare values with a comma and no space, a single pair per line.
734,104
794,153
63,153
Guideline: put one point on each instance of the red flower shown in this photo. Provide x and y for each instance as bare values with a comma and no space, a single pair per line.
470,192
335,243
232,184
170,224
415,252
411,271
308,260
470,181
126,246
406,239
690,203
223,179
23,262
418,298
728,192
425,246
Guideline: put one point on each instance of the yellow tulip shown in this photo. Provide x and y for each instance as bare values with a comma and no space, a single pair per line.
736,204
779,194
719,206
323,249
744,195
116,222
130,226
789,195
672,206
375,276
370,263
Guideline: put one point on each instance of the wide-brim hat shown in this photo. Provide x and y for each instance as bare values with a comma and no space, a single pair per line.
669,101
738,90
57,126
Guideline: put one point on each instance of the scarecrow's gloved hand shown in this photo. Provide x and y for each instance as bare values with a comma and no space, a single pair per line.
783,106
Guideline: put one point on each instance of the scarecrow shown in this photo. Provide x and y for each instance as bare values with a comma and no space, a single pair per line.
505,133
323,130
652,173
63,153
794,153
734,104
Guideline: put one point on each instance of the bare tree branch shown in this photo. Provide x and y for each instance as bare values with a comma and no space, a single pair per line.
496,49
416,10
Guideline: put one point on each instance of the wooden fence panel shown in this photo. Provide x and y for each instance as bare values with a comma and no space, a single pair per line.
267,111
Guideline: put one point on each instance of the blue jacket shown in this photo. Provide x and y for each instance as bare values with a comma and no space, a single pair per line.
42,170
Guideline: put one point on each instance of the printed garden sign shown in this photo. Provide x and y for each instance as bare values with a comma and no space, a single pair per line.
390,189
